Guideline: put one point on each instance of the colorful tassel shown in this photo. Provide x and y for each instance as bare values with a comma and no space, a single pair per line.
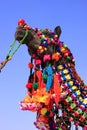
39,76
48,70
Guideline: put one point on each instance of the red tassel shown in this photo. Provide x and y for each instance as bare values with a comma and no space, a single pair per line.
57,89
39,76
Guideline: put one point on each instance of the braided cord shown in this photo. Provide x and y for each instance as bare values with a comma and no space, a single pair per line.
12,46
9,56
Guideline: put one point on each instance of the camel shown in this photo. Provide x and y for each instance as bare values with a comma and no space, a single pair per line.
53,83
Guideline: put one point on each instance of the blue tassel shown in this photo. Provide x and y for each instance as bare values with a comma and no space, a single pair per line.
48,70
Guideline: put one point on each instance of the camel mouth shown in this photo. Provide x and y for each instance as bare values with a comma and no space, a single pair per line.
18,36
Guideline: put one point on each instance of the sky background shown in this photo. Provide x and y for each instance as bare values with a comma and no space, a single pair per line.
71,15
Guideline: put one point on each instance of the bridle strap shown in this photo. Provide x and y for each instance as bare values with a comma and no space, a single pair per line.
9,55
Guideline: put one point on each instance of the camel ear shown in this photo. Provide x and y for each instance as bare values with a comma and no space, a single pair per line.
58,30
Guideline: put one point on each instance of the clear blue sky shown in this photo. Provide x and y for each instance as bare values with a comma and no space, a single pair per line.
71,15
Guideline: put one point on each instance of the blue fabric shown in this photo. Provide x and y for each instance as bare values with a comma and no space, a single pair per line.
48,70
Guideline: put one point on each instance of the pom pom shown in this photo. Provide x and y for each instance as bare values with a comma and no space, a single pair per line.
46,57
35,85
26,27
40,47
21,22
30,65
85,127
38,33
76,123
55,56
48,40
70,119
33,55
29,85
37,62
45,77
46,29
43,31
43,111
36,30
55,37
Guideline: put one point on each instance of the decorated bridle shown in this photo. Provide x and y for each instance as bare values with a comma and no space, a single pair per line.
10,53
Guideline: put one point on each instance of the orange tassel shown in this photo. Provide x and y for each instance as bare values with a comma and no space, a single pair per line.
57,89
